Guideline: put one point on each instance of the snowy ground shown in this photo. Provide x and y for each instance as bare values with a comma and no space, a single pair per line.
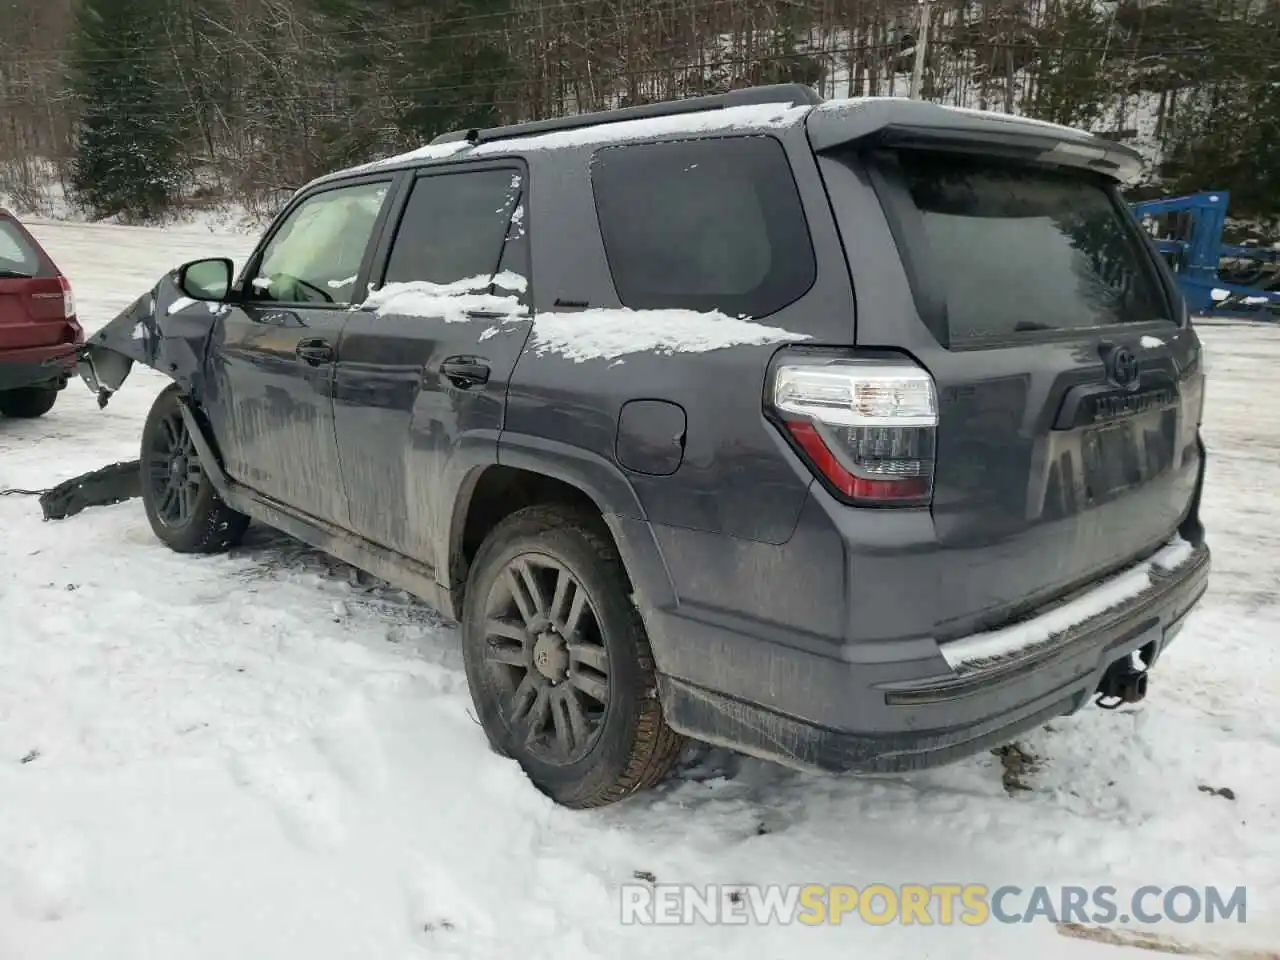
262,756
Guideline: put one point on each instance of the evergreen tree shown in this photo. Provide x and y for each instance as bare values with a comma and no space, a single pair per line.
128,157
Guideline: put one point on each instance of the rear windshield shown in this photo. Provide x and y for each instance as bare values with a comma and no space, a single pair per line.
1014,249
17,256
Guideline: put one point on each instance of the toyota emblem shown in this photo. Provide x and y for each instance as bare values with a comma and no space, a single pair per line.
1124,367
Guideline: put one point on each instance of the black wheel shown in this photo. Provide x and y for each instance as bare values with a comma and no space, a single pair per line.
27,402
558,662
183,508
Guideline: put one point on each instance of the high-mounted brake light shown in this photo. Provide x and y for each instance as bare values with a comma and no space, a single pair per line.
867,427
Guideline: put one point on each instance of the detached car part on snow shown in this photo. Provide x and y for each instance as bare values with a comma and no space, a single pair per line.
874,533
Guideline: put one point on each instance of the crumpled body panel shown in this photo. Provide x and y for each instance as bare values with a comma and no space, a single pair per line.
162,329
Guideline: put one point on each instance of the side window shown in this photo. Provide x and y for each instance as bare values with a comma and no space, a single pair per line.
454,226
703,225
316,254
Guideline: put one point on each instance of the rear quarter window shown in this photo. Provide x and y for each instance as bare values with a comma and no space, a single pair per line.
1014,249
703,225
17,255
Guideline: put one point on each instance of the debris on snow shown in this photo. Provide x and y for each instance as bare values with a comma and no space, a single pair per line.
1225,792
114,483
1159,943
1018,763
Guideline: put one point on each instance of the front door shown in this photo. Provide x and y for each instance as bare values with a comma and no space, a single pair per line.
422,378
272,358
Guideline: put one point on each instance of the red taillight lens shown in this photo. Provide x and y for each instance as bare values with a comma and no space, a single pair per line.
867,428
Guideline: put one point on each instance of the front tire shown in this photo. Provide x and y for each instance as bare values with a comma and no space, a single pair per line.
184,510
27,403
558,661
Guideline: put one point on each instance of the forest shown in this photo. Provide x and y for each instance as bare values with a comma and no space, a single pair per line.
139,108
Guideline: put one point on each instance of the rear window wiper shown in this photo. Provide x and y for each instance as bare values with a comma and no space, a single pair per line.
1024,325
14,274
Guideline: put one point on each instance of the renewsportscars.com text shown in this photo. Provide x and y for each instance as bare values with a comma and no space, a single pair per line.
927,904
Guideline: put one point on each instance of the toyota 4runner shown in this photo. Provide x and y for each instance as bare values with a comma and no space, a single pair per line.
856,435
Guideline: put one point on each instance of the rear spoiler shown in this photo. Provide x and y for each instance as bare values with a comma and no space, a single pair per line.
898,122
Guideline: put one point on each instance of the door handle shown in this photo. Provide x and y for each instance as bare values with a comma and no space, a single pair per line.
465,372
314,351
489,314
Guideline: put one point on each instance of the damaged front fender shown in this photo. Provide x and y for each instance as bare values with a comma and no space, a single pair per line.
163,329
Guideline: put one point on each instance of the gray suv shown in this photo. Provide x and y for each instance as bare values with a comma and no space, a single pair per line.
855,435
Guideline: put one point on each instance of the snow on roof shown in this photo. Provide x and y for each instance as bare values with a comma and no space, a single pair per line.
749,117
432,151
852,103
746,117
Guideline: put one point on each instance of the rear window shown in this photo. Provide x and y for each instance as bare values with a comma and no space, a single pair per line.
16,253
1014,249
705,225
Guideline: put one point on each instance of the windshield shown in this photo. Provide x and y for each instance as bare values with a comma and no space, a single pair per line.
1013,248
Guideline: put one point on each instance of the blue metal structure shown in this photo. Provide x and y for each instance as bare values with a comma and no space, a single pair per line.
1217,279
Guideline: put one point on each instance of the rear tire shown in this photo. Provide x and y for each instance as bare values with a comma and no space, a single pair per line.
184,510
563,681
27,403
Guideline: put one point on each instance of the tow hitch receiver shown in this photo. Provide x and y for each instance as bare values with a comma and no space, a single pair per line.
1122,683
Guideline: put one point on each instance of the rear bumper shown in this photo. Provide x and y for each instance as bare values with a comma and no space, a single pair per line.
37,366
995,687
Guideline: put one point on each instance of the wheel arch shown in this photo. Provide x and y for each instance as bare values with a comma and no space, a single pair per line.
532,467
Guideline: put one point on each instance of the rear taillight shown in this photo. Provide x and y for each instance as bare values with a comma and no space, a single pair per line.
68,299
868,428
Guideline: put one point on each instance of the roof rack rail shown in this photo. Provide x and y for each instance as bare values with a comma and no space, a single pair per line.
793,93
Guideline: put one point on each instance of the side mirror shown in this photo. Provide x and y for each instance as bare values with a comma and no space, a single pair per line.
206,279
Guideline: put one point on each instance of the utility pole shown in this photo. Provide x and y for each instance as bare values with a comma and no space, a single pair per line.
922,48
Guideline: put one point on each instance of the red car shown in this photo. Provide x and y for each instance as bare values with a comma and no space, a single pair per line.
39,334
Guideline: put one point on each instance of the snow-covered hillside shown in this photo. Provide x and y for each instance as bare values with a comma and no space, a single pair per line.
263,756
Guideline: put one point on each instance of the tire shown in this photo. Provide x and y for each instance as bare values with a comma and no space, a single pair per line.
184,510
617,748
27,403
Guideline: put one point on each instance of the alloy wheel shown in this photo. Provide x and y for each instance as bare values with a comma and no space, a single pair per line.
544,647
174,475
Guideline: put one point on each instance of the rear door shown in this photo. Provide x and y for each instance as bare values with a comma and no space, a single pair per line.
33,310
273,351
422,377
1069,385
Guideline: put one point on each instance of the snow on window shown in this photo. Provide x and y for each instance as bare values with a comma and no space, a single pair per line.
452,302
510,280
606,334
